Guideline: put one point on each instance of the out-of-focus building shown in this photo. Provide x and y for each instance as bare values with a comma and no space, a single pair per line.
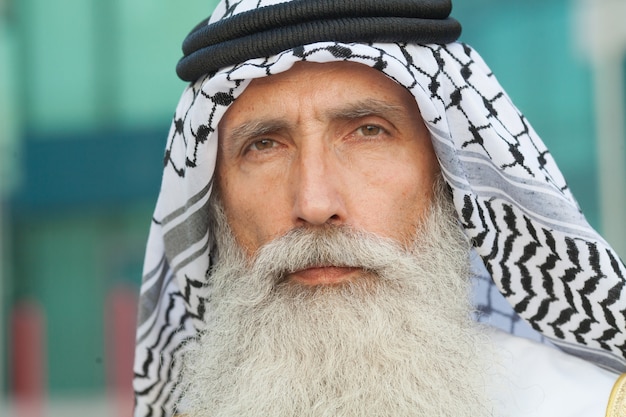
87,91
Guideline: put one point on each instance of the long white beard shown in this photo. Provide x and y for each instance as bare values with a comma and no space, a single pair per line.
398,342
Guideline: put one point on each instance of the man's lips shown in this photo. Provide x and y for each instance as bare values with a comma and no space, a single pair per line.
323,275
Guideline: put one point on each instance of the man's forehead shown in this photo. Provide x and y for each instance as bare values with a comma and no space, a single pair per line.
358,86
333,91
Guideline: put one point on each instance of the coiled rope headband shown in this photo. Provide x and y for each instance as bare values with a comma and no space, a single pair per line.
269,30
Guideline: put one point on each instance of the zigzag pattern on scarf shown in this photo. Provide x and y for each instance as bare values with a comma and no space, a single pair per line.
534,268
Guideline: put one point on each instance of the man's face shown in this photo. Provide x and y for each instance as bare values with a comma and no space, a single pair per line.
324,144
327,176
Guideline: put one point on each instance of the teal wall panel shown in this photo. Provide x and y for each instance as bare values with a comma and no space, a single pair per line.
70,262
57,71
105,169
151,47
96,87
59,266
91,63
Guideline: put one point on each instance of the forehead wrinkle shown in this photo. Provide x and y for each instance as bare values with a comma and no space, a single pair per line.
364,108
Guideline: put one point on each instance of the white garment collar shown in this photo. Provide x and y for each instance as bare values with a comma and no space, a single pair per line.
535,380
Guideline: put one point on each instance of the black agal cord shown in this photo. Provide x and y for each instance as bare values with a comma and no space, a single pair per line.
270,30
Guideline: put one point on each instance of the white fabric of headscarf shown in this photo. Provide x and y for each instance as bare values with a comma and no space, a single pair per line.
512,201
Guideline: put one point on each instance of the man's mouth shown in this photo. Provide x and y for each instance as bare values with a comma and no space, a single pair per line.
324,275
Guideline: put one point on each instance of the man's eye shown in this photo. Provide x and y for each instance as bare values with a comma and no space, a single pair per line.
370,130
262,144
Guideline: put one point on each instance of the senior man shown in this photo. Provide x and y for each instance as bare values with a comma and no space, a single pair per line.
330,170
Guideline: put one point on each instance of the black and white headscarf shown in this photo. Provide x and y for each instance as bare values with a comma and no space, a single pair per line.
555,271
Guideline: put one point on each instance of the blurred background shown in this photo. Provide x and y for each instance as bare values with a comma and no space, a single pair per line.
87,91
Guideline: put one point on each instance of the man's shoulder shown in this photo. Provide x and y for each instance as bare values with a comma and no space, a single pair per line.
539,380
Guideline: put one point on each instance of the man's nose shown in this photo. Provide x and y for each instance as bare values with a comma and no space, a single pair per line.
318,194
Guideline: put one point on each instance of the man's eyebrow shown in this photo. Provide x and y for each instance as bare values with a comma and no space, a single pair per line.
253,128
366,108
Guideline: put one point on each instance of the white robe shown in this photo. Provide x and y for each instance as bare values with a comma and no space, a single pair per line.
540,381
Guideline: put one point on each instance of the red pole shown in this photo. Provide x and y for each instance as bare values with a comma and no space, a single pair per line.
120,319
28,347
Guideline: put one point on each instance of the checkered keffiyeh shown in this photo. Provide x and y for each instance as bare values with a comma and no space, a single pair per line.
554,270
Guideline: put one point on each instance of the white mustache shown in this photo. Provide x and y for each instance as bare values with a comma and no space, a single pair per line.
338,246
